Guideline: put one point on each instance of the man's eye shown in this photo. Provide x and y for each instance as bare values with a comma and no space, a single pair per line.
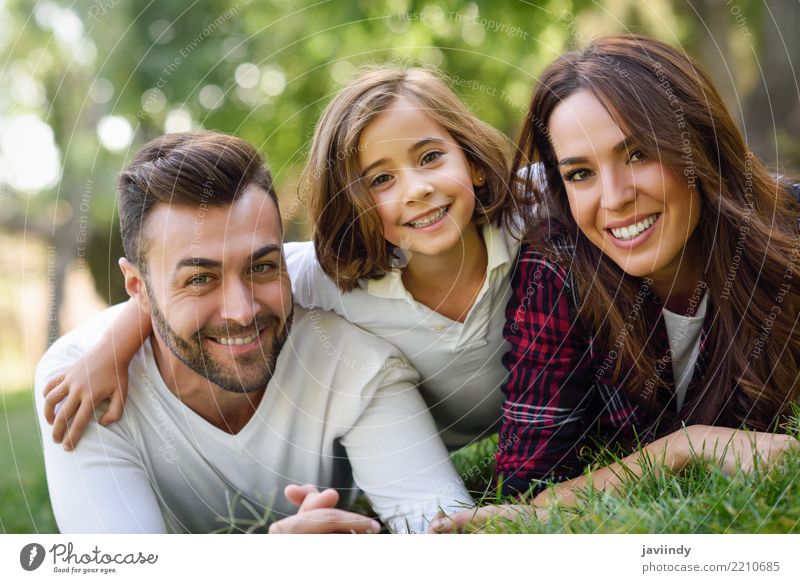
263,267
380,180
200,280
577,175
431,157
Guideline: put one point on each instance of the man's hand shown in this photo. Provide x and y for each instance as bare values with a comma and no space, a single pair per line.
317,514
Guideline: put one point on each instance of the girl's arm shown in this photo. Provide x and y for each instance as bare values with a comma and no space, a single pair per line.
731,449
101,375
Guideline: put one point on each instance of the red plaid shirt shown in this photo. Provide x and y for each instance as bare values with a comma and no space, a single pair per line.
559,394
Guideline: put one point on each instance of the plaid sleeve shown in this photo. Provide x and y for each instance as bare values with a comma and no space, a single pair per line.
547,391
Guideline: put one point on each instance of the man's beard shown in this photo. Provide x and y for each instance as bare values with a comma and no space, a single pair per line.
251,372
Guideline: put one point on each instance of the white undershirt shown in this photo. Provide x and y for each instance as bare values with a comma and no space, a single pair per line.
684,341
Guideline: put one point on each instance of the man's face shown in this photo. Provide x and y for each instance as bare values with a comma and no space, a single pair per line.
219,293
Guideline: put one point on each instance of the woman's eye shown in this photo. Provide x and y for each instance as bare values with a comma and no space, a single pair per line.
380,180
637,156
577,175
431,157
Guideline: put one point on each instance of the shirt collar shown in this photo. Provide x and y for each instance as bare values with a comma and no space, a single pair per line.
391,284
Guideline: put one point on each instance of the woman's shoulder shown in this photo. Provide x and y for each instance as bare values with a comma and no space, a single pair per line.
553,251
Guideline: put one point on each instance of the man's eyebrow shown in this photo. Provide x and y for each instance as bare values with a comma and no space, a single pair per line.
416,146
623,144
205,263
265,250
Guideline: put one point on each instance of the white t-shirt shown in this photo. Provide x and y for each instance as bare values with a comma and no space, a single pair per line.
684,342
163,468
460,363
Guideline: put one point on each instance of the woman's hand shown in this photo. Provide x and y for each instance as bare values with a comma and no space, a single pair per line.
474,518
734,449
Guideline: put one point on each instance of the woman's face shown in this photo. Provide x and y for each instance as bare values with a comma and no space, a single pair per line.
639,212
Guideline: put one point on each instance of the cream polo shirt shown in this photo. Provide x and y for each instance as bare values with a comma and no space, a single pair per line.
459,363
163,468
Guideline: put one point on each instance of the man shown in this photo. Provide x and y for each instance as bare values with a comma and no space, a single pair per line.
237,396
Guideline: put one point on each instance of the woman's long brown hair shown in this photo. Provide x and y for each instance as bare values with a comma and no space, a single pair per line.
748,231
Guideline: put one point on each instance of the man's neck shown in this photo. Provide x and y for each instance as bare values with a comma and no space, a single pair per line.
226,410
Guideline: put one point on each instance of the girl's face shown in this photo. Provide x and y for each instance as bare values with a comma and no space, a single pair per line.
639,212
419,178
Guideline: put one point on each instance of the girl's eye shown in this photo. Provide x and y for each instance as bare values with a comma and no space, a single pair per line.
637,156
380,180
577,175
431,157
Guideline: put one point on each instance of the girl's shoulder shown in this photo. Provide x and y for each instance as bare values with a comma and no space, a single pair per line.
311,286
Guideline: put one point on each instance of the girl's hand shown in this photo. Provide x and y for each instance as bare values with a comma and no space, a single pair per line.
733,449
90,381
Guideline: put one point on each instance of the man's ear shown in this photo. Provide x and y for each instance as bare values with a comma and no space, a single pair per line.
134,283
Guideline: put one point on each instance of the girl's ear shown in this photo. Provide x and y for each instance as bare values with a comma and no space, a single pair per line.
478,174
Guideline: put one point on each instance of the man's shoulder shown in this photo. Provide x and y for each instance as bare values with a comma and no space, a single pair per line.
322,325
82,338
329,341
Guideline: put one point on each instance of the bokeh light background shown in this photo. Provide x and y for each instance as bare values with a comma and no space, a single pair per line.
84,84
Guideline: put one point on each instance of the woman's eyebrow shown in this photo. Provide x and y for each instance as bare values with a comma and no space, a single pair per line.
621,146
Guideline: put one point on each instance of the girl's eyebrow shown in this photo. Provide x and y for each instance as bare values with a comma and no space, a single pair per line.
424,142
622,145
416,146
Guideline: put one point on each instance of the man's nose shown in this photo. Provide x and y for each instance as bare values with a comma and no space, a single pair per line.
618,186
238,303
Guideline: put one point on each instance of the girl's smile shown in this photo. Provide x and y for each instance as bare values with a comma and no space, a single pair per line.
420,180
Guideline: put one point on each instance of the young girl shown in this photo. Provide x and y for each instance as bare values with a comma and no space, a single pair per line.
657,303
411,214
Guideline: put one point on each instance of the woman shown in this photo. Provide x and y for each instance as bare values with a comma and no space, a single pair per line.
657,302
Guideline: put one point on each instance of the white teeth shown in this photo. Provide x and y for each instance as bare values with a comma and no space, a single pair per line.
430,220
236,341
632,231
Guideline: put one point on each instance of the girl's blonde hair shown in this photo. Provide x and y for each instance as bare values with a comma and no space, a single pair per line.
348,235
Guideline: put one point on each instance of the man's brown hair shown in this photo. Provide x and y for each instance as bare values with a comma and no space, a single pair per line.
200,169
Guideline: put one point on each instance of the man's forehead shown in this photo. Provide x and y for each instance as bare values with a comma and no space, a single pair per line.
220,232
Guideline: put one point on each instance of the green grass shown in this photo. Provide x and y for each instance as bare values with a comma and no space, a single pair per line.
698,500
24,501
